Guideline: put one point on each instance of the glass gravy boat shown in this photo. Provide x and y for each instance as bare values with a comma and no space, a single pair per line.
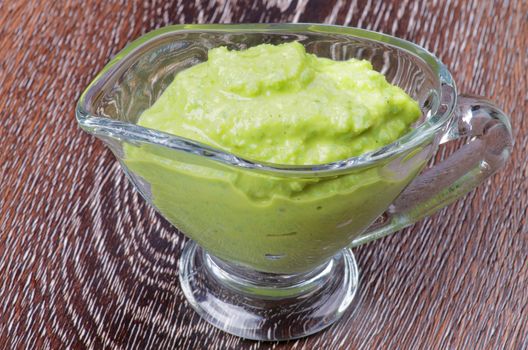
269,267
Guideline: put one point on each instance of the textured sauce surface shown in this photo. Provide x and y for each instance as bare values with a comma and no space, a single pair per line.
85,263
279,104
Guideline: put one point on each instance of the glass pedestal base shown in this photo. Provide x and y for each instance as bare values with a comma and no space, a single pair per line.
263,306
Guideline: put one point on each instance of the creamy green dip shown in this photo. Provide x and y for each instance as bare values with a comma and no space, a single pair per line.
275,104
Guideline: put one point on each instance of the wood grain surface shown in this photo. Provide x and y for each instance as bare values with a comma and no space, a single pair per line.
85,263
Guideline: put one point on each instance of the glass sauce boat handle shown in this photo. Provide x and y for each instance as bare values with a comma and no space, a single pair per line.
488,146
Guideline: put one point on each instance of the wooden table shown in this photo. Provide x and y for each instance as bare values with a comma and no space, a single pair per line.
84,262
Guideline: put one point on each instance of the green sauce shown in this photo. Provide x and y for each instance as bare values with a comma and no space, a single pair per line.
275,104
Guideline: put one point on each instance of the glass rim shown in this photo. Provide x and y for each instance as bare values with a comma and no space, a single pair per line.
130,132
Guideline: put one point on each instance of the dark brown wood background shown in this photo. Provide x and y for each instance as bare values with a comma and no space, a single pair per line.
84,262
